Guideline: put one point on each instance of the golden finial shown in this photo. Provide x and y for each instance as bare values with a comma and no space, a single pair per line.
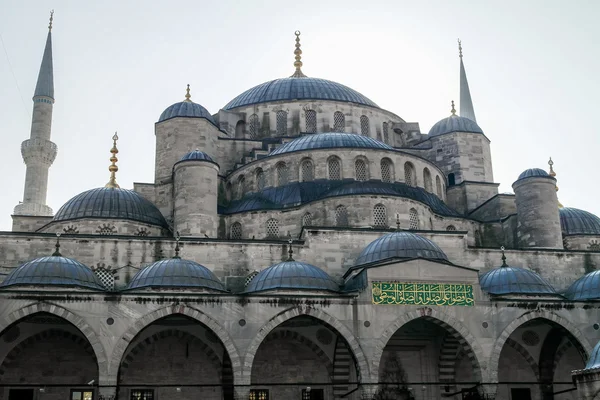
453,110
51,18
503,257
112,183
188,96
459,48
298,62
553,174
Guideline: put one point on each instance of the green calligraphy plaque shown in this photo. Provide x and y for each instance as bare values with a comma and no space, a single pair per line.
430,294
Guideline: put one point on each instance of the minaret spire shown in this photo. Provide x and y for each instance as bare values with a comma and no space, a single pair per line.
38,151
298,62
466,104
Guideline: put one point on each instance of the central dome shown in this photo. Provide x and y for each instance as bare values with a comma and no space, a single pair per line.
331,140
299,88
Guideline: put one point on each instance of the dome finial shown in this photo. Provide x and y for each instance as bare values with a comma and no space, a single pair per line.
57,246
290,250
298,62
459,48
112,183
453,110
51,19
553,174
177,238
503,257
188,96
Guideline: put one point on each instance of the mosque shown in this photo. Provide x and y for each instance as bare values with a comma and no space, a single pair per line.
300,243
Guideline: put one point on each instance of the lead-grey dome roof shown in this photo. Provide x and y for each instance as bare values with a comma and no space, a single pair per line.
574,221
176,273
186,109
331,140
514,280
533,172
454,123
400,245
585,288
292,275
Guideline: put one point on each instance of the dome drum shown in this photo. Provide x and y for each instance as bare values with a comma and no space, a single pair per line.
104,226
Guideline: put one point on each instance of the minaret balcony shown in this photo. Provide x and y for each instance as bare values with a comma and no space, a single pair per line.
38,151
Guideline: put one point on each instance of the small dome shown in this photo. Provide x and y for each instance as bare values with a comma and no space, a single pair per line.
176,273
53,271
298,88
585,288
574,221
454,123
594,360
514,280
293,275
531,172
331,140
186,109
111,203
400,245
197,155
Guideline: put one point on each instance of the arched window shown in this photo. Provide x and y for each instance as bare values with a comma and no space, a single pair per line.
307,171
451,179
272,228
360,168
450,228
379,136
307,219
260,179
236,230
438,186
339,122
386,170
413,217
249,278
380,216
310,121
241,187
335,169
409,174
364,125
281,123
240,127
386,133
427,180
341,216
253,126
282,174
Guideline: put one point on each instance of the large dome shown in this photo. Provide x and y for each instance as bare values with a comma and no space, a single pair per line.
331,140
292,275
299,88
53,271
585,288
454,123
514,280
574,221
176,273
111,203
400,245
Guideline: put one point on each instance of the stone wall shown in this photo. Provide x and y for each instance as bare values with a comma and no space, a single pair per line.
28,223
496,208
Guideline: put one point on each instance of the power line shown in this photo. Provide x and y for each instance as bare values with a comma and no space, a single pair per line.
14,77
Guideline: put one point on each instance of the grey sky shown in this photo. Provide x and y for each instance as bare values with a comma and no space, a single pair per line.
532,69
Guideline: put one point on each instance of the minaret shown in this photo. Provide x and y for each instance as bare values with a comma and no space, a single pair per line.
38,151
466,104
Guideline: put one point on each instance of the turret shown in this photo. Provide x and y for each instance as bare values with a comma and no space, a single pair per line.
538,221
195,188
38,151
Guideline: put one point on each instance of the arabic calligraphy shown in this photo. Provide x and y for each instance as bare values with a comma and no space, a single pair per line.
411,293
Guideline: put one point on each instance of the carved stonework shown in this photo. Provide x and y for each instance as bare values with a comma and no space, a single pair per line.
71,230
142,232
106,229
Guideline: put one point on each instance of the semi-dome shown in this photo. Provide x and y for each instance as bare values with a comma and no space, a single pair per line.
400,245
585,288
298,88
514,280
533,172
175,273
197,155
331,140
53,271
594,361
292,275
186,109
111,203
454,123
574,221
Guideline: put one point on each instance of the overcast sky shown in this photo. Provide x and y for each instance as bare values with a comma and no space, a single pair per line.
532,68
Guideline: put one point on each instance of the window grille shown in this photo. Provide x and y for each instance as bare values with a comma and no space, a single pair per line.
409,174
413,218
106,229
142,232
307,171
282,174
272,228
253,126
106,277
450,228
386,133
380,216
335,170
307,219
259,394
427,180
386,170
250,277
142,394
438,186
339,122
361,170
311,121
364,125
281,123
594,245
236,230
260,179
341,216
71,229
